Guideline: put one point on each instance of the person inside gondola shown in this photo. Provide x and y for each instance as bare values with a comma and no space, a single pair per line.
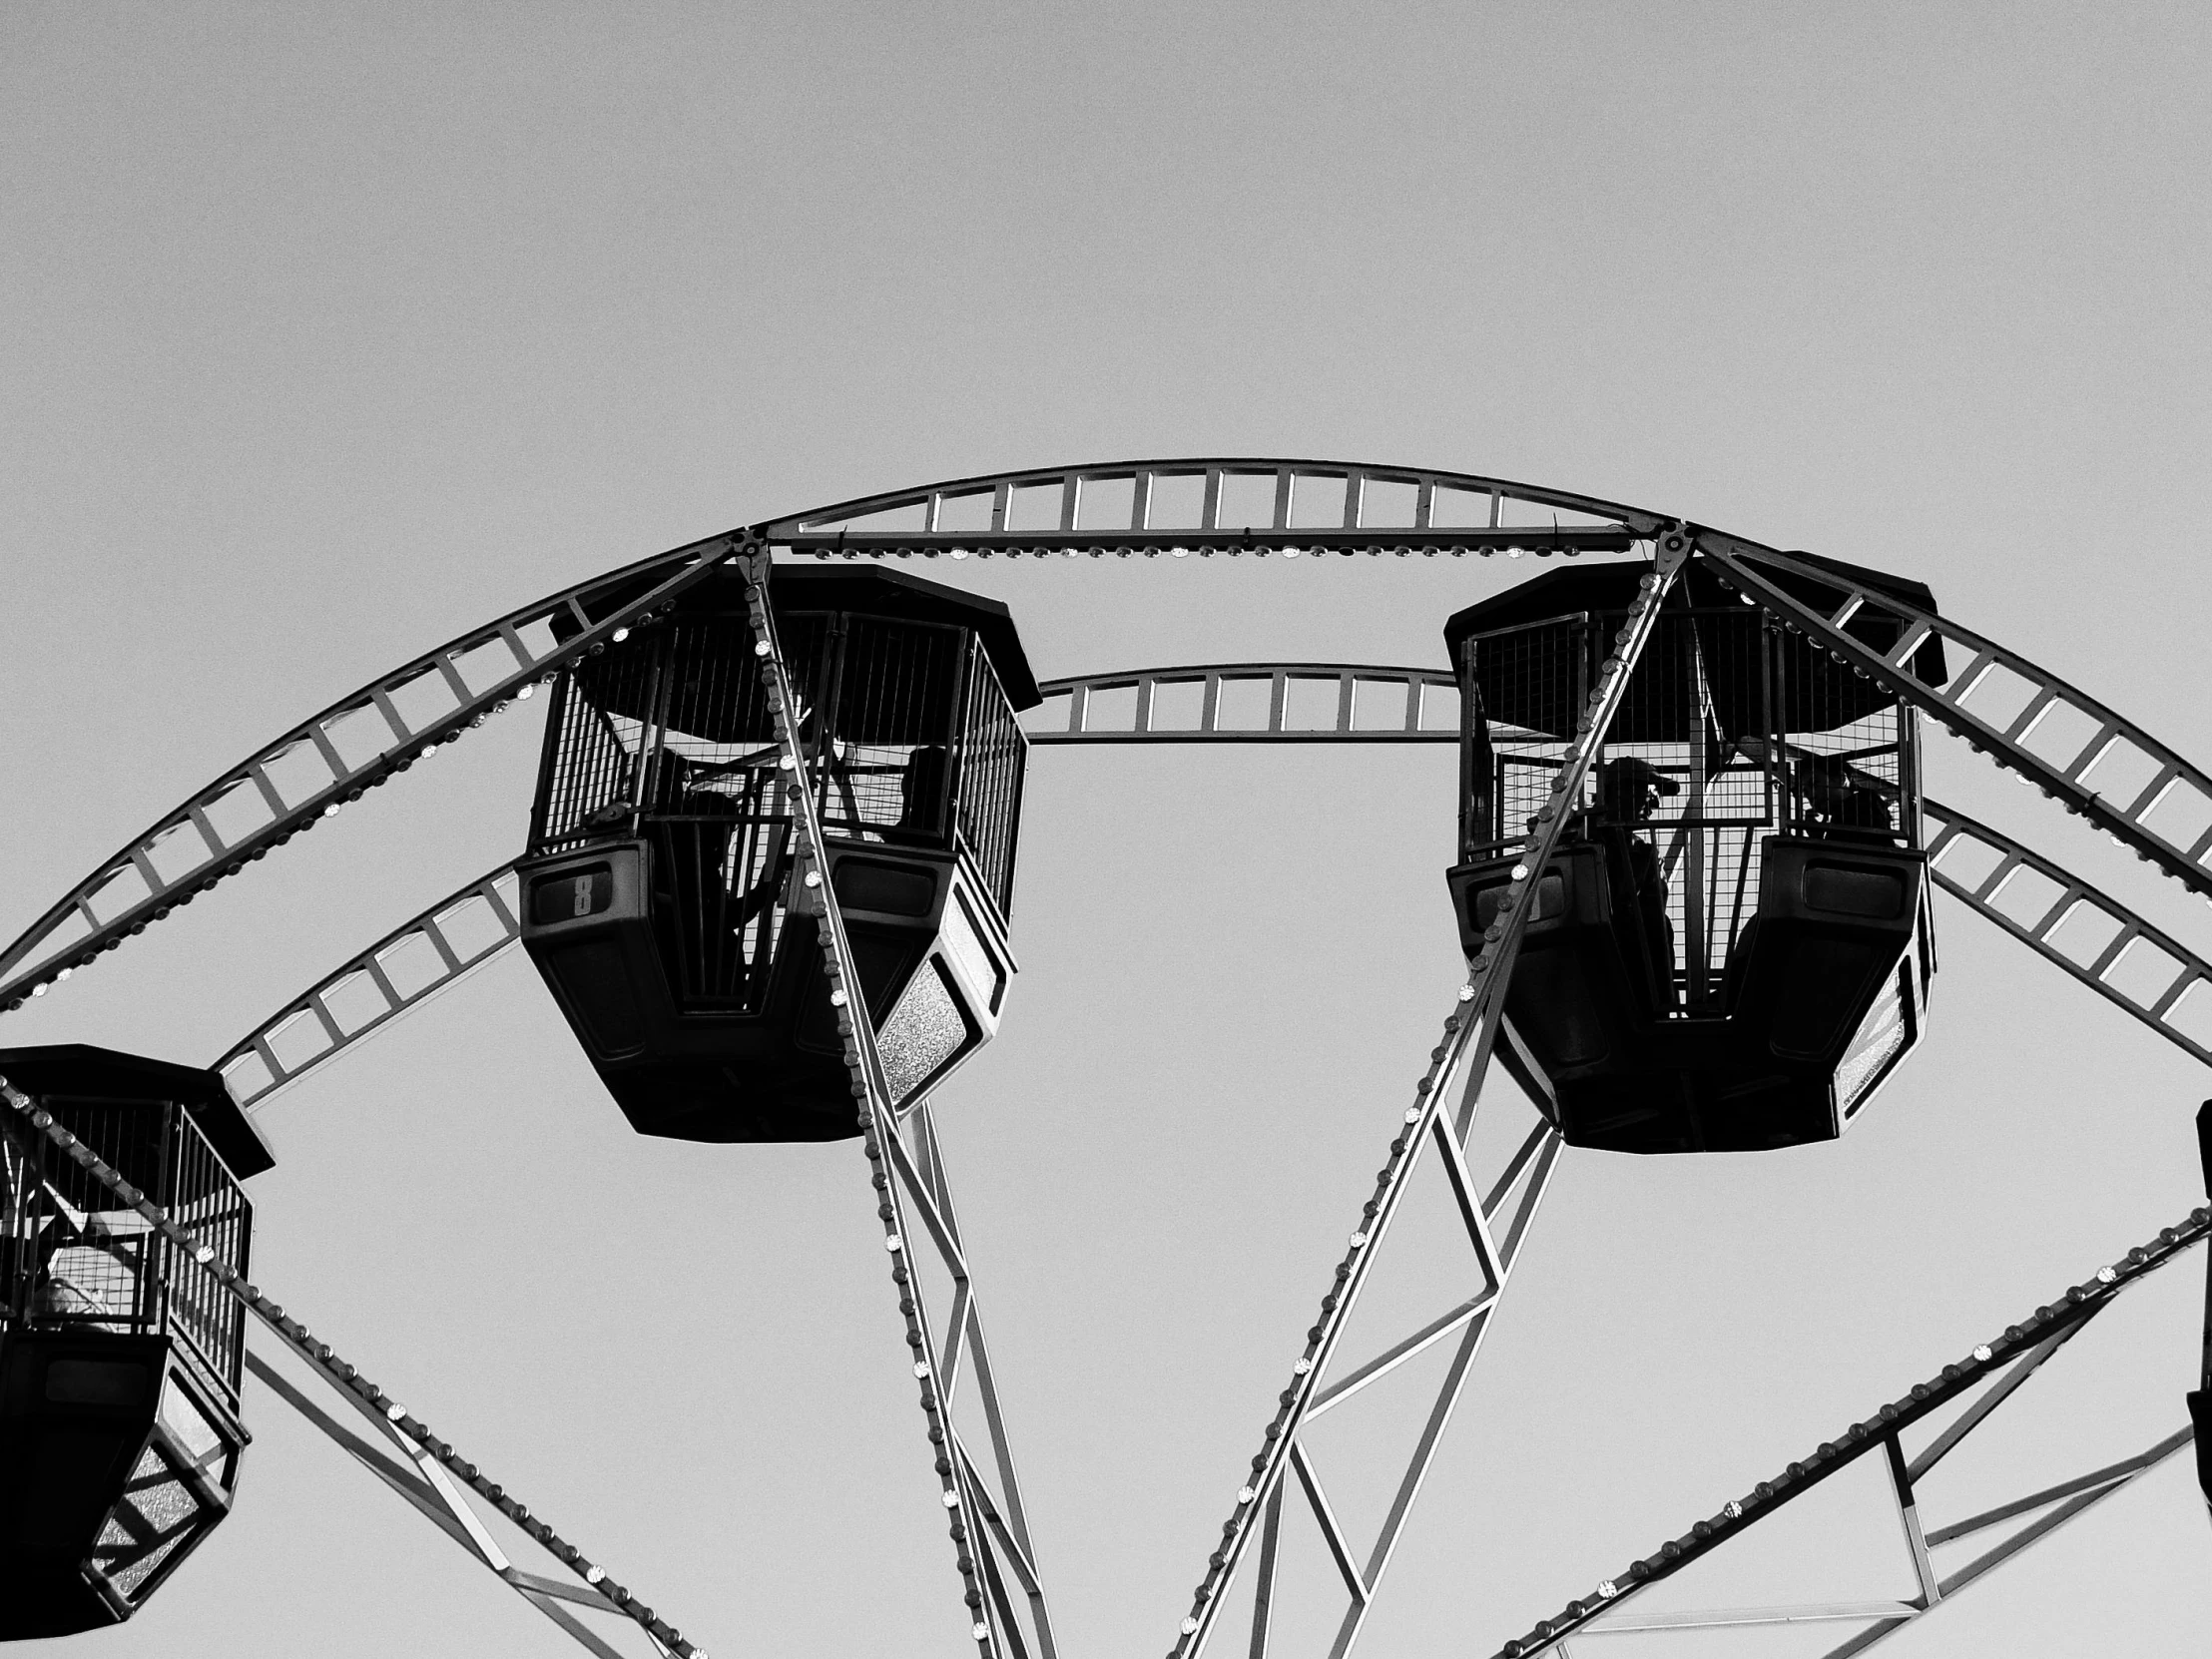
1841,803
1628,791
921,794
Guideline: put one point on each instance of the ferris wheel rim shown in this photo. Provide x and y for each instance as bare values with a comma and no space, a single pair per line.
784,528
765,536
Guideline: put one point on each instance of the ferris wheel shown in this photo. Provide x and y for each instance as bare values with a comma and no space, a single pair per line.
768,882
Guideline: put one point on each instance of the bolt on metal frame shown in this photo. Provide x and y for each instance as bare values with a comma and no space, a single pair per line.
410,1458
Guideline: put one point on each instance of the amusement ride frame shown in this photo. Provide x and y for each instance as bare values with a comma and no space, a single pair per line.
2026,720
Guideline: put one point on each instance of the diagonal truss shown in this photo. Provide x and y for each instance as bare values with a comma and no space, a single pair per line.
989,1527
1458,1064
2001,703
314,770
2115,936
1978,1385
397,1446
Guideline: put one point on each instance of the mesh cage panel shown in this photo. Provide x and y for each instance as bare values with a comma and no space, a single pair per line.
1730,730
994,749
71,1258
210,1205
887,771
596,736
668,737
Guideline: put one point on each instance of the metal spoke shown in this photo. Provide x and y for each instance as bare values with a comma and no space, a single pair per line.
1458,1062
989,1535
2002,1364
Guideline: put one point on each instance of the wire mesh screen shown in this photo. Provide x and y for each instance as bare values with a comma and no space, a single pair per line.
72,1255
994,749
205,1200
716,810
596,738
888,774
719,903
1730,730
668,737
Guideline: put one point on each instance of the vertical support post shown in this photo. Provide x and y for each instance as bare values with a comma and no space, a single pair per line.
2200,1402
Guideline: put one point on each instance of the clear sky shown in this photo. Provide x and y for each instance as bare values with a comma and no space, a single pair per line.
330,332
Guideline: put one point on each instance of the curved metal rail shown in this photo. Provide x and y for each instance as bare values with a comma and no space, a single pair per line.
404,969
2069,910
1409,699
311,771
1216,504
2004,1363
2004,703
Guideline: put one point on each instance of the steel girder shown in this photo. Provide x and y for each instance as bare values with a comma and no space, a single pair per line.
992,1549
2003,704
2114,931
371,988
1978,1385
1456,1067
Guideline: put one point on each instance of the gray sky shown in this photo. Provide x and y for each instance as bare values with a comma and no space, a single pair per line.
332,332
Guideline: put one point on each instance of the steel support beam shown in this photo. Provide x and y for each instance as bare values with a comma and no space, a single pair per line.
992,1548
1978,1386
1457,1069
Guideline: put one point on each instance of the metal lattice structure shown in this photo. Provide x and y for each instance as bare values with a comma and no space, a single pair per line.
2081,754
1978,1385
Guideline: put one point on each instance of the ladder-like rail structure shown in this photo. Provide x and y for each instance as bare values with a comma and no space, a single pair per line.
312,770
2093,760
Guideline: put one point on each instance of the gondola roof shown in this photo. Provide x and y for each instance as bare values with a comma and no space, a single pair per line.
1549,701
